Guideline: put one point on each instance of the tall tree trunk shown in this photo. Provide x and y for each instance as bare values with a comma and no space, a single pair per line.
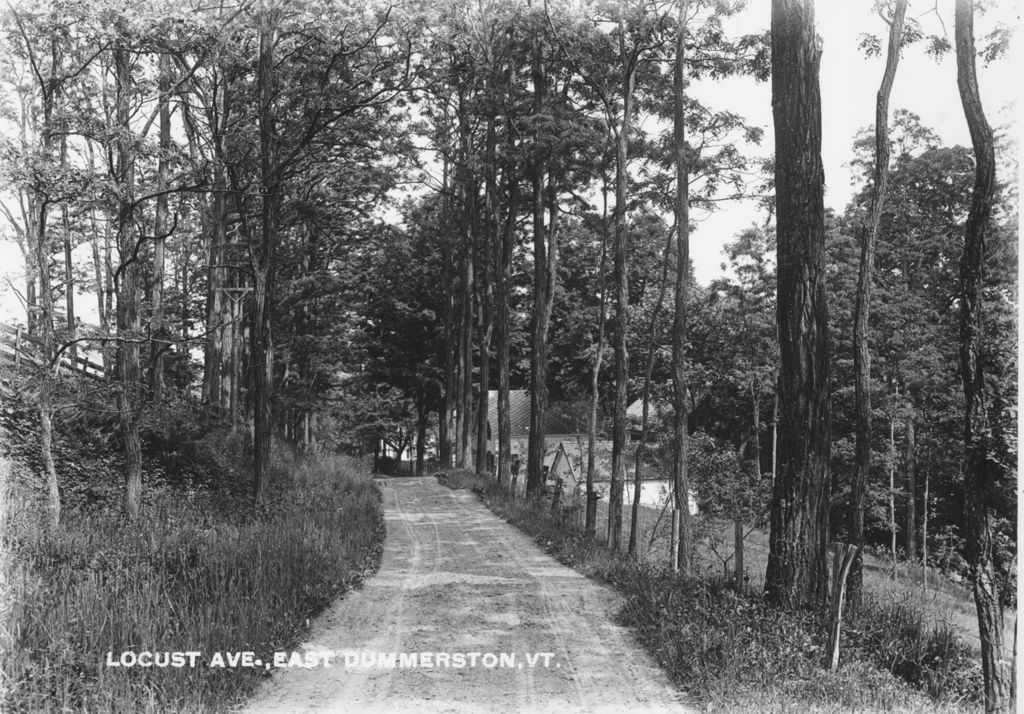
97,266
738,565
485,331
680,447
39,204
31,297
634,523
590,522
446,422
486,295
924,533
862,308
185,316
69,274
459,356
421,430
755,389
465,450
910,486
796,573
621,295
109,292
128,326
755,460
538,348
504,268
160,229
775,427
982,471
215,255
469,211
260,335
892,492
100,268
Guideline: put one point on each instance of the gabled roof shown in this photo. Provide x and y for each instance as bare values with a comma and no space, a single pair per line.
656,410
560,418
518,411
552,459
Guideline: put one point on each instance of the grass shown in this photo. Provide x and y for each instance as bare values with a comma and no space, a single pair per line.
199,571
944,604
731,652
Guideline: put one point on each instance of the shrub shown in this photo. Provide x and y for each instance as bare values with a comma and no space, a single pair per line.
894,636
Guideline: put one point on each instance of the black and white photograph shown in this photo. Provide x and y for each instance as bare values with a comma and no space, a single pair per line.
511,356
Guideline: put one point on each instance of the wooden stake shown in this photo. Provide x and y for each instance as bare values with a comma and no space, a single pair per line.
842,559
674,550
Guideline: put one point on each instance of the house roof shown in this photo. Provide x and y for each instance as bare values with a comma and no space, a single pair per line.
518,411
561,418
656,410
552,458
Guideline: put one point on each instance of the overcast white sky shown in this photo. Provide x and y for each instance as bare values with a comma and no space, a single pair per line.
849,82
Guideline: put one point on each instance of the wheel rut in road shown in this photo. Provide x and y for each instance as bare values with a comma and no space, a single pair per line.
456,579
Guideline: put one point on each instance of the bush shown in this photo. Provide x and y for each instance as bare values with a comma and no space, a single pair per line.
895,637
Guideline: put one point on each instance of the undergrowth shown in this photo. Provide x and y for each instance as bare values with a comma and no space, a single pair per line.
732,652
199,571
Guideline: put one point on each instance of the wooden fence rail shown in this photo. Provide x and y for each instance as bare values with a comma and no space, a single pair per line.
20,348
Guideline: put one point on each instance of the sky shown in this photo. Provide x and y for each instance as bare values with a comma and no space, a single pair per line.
849,83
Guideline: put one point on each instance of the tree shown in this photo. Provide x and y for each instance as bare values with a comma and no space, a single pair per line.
796,573
126,281
643,35
681,554
44,182
862,354
982,471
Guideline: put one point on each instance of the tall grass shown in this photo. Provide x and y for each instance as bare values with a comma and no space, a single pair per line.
198,572
730,650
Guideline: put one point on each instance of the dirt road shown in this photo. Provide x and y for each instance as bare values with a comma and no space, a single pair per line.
457,580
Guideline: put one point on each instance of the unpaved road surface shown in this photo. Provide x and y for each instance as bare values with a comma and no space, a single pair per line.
457,579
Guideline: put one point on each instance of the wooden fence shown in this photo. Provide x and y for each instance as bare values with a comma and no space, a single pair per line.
19,348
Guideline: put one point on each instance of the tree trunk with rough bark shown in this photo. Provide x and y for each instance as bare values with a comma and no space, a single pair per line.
910,486
467,185
465,445
422,414
634,523
161,227
982,472
797,558
862,306
621,278
128,288
590,518
69,274
264,255
538,348
486,294
446,420
682,552
503,275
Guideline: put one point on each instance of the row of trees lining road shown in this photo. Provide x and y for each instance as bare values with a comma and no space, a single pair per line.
345,225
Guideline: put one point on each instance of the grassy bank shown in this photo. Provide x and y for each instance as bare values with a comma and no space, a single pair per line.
732,652
199,572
